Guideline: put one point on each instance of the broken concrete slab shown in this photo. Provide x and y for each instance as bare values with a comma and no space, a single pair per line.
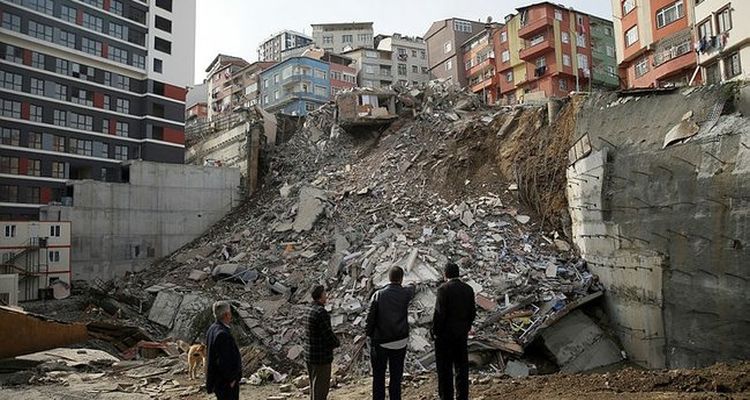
309,208
165,307
524,219
198,275
192,305
579,345
517,369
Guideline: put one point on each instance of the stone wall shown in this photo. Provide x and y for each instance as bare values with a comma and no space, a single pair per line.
667,229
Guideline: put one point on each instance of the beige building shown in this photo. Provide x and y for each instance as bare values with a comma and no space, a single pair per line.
341,37
444,40
723,40
38,252
374,67
409,57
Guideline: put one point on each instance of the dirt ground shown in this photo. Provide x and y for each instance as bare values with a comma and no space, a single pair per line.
717,382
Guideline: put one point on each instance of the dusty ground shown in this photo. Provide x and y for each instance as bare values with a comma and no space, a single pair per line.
717,382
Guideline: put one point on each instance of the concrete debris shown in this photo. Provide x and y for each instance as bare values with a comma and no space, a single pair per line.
517,369
165,307
309,208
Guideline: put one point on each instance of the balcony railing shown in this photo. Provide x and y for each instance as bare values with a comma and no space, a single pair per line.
536,51
534,27
481,67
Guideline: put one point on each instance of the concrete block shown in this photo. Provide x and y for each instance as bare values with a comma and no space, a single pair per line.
579,345
165,308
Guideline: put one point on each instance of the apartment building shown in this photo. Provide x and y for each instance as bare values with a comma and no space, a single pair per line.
655,42
340,37
295,86
510,68
479,63
722,40
219,75
342,75
84,86
374,67
196,103
38,252
603,53
409,57
271,48
444,39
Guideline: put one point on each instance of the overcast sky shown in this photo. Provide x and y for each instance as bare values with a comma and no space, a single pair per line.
236,27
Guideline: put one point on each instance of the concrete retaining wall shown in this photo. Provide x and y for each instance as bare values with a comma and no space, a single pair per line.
667,229
125,227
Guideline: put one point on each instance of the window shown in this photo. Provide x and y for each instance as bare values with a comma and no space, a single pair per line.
62,67
705,30
566,60
449,65
536,40
9,194
121,152
447,47
363,37
10,230
631,36
35,140
13,54
122,129
106,102
121,82
563,84
61,92
610,51
540,62
321,91
580,40
68,39
11,21
641,67
118,30
713,74
414,69
35,113
462,26
425,70
162,45
505,56
54,231
105,125
565,37
732,65
346,39
58,143
93,22
44,6
509,76
37,60
10,108
91,46
40,31
81,147
104,150
607,31
58,170
320,74
158,65
276,92
10,137
402,69
10,80
68,13
724,20
670,14
81,121
414,53
95,3
123,106
139,61
115,7
82,97
163,24
611,70
35,168
60,118
164,4
117,54
503,36
583,62
628,6
54,256
9,165
558,15
423,54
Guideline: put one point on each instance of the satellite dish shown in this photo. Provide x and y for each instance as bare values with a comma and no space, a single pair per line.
489,19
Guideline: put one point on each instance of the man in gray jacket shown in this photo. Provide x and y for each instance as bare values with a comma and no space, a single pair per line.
388,331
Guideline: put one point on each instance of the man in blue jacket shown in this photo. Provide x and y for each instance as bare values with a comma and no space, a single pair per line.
388,331
224,369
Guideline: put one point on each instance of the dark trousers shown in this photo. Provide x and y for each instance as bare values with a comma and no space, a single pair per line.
225,392
452,354
320,380
381,359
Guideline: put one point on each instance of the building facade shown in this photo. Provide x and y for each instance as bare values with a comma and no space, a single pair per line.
479,64
85,86
604,54
655,45
340,37
409,57
374,67
219,75
38,252
510,68
271,48
723,42
444,39
295,86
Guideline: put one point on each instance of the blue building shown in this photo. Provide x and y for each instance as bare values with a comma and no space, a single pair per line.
295,86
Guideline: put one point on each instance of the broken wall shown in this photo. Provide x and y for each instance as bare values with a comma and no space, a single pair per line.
125,227
667,229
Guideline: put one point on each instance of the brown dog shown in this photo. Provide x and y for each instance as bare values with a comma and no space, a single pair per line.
196,355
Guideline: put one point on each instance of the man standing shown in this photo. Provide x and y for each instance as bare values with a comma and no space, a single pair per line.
388,331
224,369
455,311
319,345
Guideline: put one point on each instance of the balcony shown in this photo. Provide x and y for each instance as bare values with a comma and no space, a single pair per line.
536,51
478,87
481,67
532,28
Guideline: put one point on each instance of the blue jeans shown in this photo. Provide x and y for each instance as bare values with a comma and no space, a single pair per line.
393,360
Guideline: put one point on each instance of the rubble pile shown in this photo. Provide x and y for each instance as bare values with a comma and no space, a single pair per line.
341,209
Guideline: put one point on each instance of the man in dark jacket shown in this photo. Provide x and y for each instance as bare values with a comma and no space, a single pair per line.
388,332
319,345
455,311
224,369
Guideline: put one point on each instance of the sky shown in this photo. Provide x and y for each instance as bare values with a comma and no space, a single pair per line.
237,27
